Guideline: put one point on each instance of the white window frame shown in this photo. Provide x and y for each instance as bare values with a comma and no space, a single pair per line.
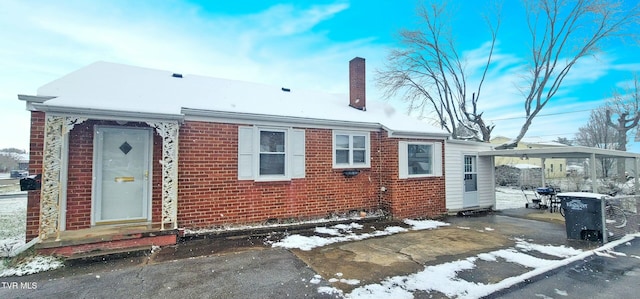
403,159
286,151
249,153
351,164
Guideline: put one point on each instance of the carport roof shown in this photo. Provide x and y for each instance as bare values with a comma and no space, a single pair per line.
560,152
568,152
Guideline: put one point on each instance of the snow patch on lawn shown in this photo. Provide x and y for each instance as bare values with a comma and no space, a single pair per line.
13,221
31,265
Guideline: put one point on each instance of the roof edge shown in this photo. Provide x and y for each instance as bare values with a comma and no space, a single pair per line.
413,134
107,114
241,117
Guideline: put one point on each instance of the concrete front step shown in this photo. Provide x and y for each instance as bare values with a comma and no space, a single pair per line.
90,243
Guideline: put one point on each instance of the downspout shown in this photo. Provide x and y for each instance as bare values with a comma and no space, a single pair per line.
381,187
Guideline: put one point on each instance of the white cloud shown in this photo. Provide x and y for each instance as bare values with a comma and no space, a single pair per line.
276,45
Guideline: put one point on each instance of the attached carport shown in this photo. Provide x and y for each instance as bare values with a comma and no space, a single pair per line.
569,152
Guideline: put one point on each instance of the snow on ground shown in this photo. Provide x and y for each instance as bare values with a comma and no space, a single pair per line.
12,224
510,198
344,233
31,265
13,218
443,277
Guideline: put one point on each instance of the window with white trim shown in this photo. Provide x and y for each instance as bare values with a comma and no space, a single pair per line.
351,149
270,154
419,159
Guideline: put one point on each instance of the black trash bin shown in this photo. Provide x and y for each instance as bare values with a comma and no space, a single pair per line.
584,215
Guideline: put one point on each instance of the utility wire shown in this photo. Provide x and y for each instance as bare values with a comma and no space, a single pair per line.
541,115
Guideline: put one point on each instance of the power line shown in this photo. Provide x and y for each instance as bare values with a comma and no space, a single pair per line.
542,115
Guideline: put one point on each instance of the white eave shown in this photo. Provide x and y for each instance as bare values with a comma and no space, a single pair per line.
107,114
414,134
561,152
275,120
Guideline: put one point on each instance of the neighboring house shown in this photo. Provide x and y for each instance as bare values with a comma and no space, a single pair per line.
553,167
469,180
14,162
129,156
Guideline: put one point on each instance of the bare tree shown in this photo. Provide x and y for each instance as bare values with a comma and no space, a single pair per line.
562,33
596,133
430,74
625,109
9,158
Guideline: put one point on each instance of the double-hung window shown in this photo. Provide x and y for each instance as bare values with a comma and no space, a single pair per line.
419,159
270,154
351,149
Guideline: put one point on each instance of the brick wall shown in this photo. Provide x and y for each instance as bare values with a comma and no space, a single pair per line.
414,197
36,147
210,193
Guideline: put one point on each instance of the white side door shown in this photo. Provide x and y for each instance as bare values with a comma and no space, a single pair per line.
122,165
470,197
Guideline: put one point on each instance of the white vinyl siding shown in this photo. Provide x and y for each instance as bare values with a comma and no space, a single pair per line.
419,159
455,151
351,149
270,154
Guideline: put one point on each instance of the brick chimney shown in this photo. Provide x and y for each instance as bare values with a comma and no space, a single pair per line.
357,90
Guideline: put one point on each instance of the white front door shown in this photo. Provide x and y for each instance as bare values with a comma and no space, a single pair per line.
122,157
470,197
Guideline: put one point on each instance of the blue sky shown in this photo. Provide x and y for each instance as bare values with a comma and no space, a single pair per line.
298,44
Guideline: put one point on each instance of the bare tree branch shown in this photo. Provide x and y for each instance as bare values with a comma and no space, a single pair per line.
571,30
430,74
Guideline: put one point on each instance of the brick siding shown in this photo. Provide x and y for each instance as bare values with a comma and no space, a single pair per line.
210,193
36,147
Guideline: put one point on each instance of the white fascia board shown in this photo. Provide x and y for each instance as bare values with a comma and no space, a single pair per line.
561,152
108,114
31,100
34,99
273,120
415,135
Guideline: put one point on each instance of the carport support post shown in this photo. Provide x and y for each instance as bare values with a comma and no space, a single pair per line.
635,175
544,171
592,170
